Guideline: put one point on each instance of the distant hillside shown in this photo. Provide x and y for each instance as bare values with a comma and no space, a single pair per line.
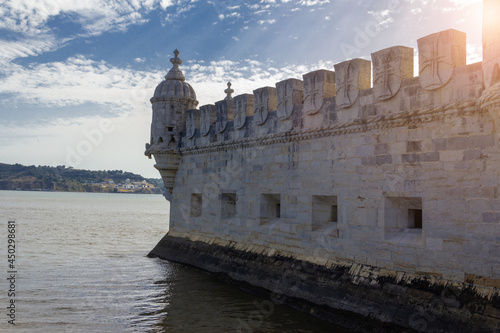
60,178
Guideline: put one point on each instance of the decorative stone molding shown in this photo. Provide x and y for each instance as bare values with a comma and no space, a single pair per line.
418,116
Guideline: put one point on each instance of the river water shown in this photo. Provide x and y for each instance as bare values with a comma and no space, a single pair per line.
81,266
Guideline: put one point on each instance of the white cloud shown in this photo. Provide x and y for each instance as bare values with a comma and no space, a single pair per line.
474,53
261,22
463,3
28,21
95,16
310,3
30,46
166,3
79,80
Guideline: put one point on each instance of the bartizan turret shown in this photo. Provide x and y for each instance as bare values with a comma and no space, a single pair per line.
171,99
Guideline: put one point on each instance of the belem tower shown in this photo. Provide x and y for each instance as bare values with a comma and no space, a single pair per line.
344,195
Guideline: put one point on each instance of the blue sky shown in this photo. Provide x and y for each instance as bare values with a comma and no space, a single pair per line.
76,76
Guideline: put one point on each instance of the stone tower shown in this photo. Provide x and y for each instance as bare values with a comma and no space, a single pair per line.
491,43
171,99
490,99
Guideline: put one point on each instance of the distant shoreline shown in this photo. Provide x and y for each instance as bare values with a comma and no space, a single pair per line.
62,191
67,179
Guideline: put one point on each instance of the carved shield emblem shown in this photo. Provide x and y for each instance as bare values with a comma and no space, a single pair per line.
390,67
313,96
347,84
261,110
285,99
206,119
240,111
221,116
190,124
439,54
318,86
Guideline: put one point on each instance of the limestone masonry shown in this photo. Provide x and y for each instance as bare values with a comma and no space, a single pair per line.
377,197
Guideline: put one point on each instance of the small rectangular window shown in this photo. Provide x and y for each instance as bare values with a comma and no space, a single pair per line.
270,207
196,204
415,218
324,211
228,205
334,213
403,219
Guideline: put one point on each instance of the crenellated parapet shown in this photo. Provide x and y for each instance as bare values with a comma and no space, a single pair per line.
362,167
353,92
347,95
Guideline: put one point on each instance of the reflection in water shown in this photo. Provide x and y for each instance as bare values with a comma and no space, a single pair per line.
195,301
83,268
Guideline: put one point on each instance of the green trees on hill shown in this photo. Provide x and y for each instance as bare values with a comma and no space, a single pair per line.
61,178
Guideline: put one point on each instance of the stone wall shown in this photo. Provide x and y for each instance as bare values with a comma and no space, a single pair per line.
395,177
371,161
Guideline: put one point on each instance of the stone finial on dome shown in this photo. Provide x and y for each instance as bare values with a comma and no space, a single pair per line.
175,73
229,91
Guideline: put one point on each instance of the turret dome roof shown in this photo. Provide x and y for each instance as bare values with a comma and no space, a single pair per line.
174,85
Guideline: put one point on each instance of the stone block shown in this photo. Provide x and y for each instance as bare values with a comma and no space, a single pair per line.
414,146
381,148
452,155
491,217
390,67
439,54
351,77
420,158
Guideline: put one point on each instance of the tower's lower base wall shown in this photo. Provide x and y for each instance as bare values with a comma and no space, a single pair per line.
360,297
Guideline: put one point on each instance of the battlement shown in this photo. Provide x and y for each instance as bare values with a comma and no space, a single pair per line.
345,97
388,178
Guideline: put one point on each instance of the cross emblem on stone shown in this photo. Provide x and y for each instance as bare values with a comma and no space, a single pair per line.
283,100
346,85
240,113
384,74
433,62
